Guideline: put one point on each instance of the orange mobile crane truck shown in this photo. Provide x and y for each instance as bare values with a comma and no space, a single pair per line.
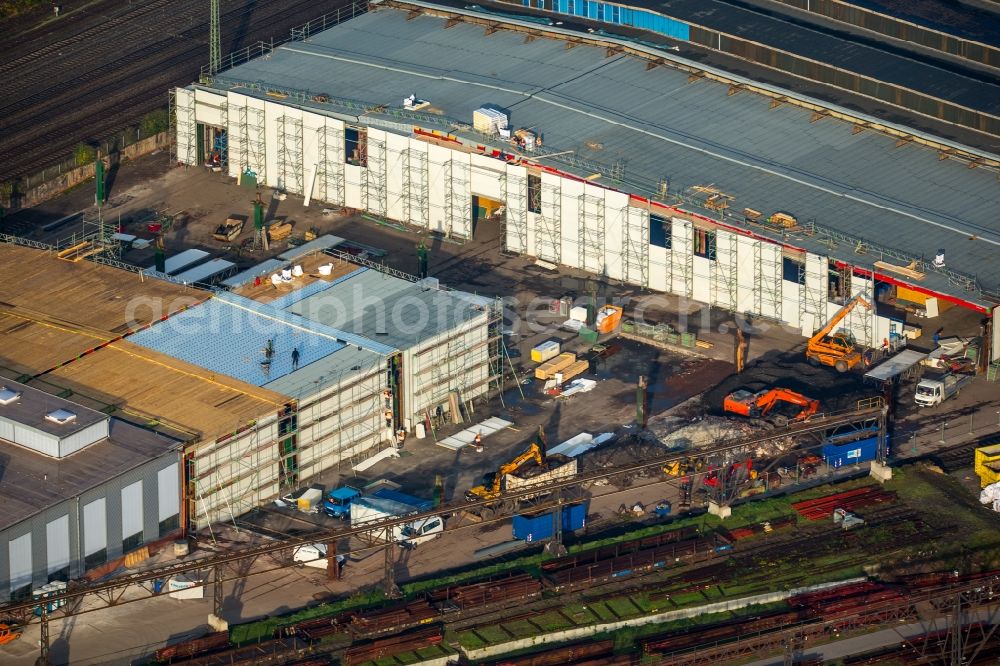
839,349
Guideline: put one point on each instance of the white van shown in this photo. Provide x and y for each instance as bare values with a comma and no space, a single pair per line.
312,555
420,531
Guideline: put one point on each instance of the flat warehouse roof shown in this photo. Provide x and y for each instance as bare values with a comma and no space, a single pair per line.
394,311
31,408
608,108
32,482
83,296
165,390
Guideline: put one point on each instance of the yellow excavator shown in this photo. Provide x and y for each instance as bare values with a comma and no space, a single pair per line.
683,466
840,349
493,483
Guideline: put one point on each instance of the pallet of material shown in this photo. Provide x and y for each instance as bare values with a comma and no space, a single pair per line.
577,368
549,369
279,231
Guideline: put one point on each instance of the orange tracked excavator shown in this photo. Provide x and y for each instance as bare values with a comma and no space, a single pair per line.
759,405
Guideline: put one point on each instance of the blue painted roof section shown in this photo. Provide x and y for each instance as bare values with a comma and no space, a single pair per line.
321,243
267,310
265,267
291,298
228,339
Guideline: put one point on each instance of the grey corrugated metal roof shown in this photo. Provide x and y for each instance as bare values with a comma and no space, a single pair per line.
607,109
388,309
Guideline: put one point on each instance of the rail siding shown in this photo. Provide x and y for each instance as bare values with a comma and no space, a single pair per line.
583,632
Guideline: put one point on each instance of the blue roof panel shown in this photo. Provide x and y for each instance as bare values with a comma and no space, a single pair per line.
229,338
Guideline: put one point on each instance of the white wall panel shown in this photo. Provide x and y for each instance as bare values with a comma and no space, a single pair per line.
701,287
791,309
353,186
418,172
271,113
615,216
517,209
311,129
19,554
746,272
437,158
131,509
395,152
725,271
487,176
208,108
57,543
658,275
570,227
95,527
168,492
261,148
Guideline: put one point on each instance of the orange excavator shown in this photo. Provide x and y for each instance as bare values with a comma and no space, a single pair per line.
840,349
759,405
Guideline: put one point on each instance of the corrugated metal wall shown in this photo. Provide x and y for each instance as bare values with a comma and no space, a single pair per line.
71,530
85,437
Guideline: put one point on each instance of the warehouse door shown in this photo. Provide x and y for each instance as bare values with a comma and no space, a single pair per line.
488,214
168,490
131,517
95,534
19,552
57,547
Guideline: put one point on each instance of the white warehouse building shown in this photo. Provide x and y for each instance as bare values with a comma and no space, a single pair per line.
635,166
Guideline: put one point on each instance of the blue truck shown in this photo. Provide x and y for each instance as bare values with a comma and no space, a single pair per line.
338,502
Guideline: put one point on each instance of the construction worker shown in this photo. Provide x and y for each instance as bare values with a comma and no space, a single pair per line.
295,358
388,418
400,437
387,394
478,441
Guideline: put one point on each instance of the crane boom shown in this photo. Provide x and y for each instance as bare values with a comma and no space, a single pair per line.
839,317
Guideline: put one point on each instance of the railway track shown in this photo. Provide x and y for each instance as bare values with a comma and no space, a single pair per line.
96,90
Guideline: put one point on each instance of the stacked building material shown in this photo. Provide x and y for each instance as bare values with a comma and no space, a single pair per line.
216,641
598,570
391,645
474,595
393,618
822,508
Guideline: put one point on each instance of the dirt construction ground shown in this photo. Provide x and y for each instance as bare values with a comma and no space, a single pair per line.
682,383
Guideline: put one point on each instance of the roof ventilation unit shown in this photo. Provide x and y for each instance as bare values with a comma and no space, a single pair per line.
939,259
61,416
7,396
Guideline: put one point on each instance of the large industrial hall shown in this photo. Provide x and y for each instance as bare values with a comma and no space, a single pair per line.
139,409
612,159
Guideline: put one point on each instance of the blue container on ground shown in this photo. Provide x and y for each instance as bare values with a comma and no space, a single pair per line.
853,453
419,503
540,526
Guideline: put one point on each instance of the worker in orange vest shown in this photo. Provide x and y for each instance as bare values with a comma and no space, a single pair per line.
478,441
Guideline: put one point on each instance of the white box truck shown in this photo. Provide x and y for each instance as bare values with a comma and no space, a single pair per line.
388,504
933,390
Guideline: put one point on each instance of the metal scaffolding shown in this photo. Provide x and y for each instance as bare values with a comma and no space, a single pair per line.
814,290
290,153
514,190
330,168
590,233
548,231
457,199
187,127
416,187
635,247
373,178
251,135
767,279
682,258
726,275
